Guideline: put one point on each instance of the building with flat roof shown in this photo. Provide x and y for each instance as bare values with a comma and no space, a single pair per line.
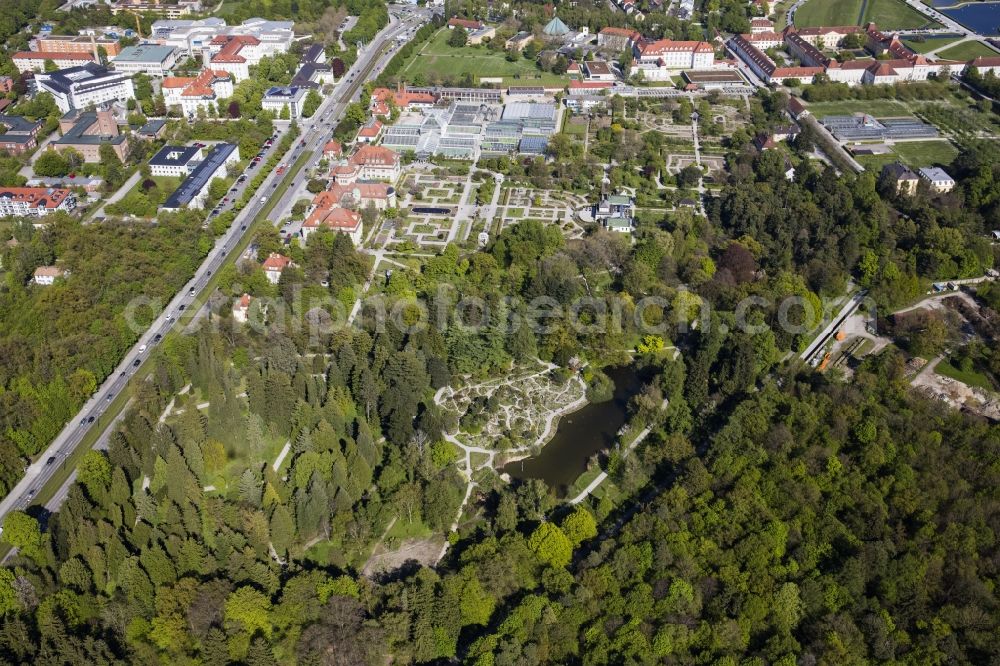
175,160
154,129
278,98
78,44
34,201
193,192
193,37
151,59
34,61
86,131
175,9
87,85
20,135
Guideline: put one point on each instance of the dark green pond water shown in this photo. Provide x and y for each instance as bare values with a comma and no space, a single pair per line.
580,435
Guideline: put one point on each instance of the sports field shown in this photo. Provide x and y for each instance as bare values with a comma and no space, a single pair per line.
967,51
888,14
436,60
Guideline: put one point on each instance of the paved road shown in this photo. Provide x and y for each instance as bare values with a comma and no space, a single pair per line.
94,413
849,308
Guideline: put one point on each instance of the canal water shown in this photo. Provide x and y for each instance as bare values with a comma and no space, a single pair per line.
982,17
581,434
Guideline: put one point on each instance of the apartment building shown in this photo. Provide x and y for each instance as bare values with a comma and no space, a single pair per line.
86,85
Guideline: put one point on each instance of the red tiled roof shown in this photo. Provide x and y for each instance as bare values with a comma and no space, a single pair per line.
465,23
621,32
201,86
369,155
333,147
661,46
276,262
232,44
590,85
36,197
371,130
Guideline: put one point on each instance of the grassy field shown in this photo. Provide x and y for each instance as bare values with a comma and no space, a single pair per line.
828,12
929,44
926,153
880,108
972,377
967,51
888,14
436,60
895,15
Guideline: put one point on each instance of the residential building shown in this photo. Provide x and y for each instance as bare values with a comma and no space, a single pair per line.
371,131
598,70
34,61
341,220
172,10
464,23
86,131
34,201
175,160
278,98
617,39
47,275
6,84
86,183
903,179
193,192
274,266
87,85
938,179
151,59
19,135
519,41
78,44
192,93
333,150
761,24
673,54
370,163
241,308
234,54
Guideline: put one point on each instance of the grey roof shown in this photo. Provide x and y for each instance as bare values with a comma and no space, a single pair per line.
289,93
303,78
200,177
934,173
63,80
174,156
77,133
19,129
152,127
147,53
312,53
555,28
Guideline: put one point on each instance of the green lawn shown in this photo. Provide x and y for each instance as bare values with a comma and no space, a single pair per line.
828,12
972,377
967,51
895,15
925,153
888,14
436,60
880,108
929,44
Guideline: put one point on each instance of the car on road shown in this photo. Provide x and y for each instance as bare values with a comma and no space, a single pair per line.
142,347
111,395
160,337
136,363
51,460
90,419
181,308
31,493
243,228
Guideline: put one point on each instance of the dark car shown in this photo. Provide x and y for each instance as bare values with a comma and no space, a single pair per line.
243,228
182,307
51,460
136,363
90,419
157,338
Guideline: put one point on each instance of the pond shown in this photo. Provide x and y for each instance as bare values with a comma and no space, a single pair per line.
580,435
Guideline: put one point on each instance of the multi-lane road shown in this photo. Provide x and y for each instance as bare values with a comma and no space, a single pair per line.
316,131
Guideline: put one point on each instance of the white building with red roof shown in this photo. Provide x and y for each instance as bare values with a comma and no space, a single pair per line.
374,163
46,275
241,308
333,150
235,54
371,131
341,220
617,39
192,93
35,201
34,61
274,266
659,59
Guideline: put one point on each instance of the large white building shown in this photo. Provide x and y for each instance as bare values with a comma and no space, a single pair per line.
175,160
194,37
192,93
85,86
151,59
34,201
280,97
658,60
194,191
